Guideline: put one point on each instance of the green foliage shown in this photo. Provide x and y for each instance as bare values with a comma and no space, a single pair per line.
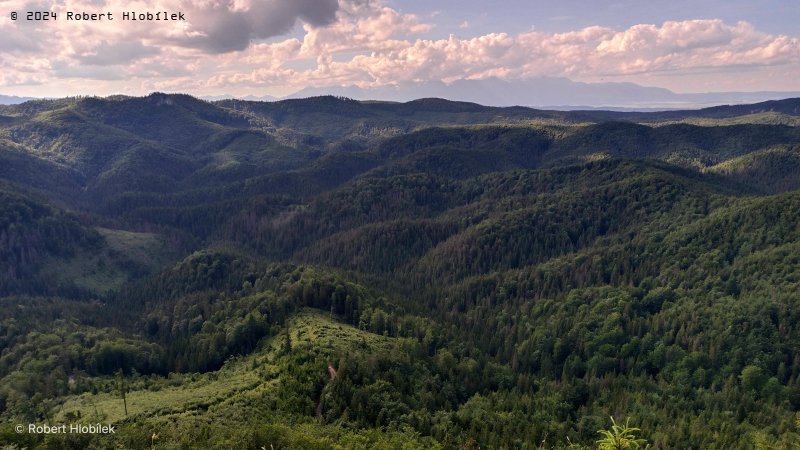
422,275
620,437
30,233
771,170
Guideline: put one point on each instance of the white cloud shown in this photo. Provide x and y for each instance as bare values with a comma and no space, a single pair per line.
235,47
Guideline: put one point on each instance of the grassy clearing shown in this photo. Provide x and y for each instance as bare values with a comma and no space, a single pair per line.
217,395
192,394
125,255
315,329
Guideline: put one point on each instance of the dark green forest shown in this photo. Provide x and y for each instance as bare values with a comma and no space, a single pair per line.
327,273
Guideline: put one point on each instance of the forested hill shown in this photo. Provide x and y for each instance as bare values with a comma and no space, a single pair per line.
327,273
94,153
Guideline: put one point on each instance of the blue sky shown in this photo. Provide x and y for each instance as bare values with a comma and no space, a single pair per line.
514,16
276,47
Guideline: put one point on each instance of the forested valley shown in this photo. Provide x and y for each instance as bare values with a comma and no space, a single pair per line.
328,273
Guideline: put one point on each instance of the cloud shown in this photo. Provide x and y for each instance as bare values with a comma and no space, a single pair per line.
362,26
95,73
107,53
247,45
692,45
588,53
221,26
211,26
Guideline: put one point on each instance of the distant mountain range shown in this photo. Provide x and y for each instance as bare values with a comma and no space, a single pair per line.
559,93
13,100
547,92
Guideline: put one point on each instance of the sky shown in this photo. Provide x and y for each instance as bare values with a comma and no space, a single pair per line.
277,47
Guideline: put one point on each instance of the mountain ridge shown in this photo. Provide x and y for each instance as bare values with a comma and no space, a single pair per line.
553,92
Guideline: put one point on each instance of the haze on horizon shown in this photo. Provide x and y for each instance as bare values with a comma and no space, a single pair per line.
249,47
